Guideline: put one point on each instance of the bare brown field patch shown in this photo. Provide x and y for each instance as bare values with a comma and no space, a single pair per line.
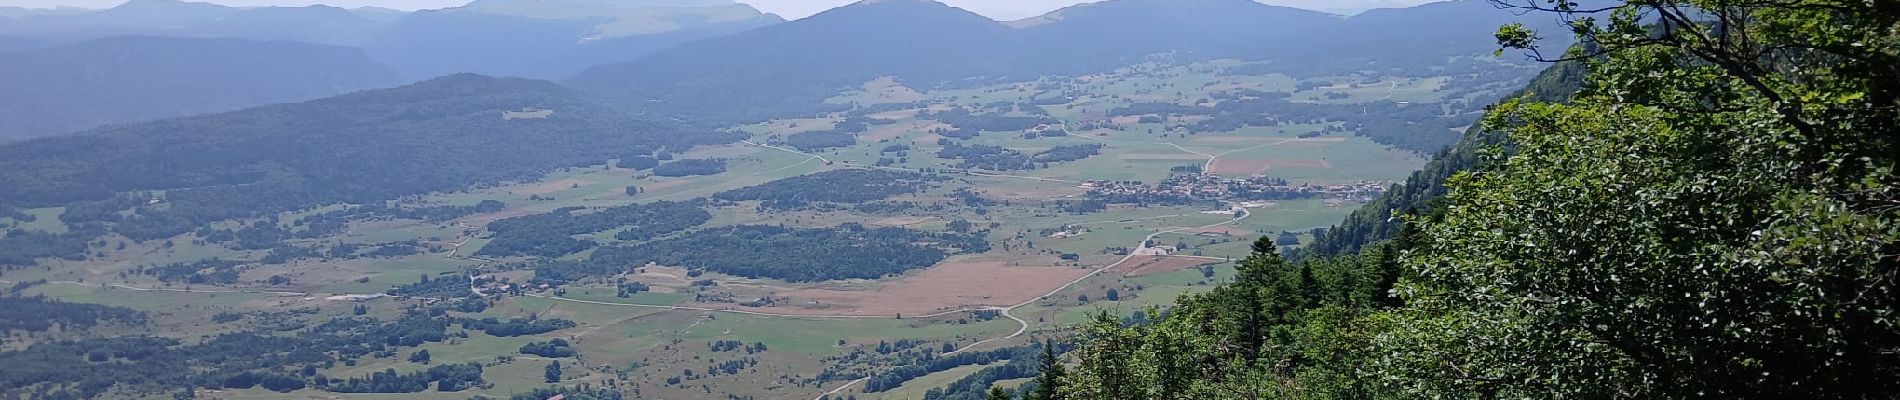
947,286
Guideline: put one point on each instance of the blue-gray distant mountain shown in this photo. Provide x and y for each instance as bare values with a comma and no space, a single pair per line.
443,134
316,24
17,43
1412,36
551,38
792,67
1095,36
54,90
535,38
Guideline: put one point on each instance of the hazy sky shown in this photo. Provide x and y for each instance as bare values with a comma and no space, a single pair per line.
793,9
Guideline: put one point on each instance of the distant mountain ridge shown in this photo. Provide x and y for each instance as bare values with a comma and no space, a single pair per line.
438,135
796,65
59,89
533,38
316,24
551,39
790,68
71,69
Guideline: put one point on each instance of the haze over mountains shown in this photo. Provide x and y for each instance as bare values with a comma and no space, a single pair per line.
127,79
692,58
792,67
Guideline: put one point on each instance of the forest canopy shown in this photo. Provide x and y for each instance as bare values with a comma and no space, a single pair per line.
1711,215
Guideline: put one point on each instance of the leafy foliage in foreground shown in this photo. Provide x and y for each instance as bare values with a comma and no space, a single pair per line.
1706,218
1376,221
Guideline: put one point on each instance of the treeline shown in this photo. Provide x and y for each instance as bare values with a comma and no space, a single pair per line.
994,158
446,378
556,348
551,235
848,186
90,367
211,270
850,251
20,247
896,377
638,163
442,287
965,120
694,167
516,326
1067,153
380,210
38,314
821,140
13,213
1026,362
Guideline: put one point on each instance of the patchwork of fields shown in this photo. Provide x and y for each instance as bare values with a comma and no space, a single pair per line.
1049,262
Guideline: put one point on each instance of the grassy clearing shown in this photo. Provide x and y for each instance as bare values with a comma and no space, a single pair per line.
44,220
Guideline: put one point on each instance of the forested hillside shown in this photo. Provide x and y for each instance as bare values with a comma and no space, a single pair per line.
1383,217
441,135
1710,215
